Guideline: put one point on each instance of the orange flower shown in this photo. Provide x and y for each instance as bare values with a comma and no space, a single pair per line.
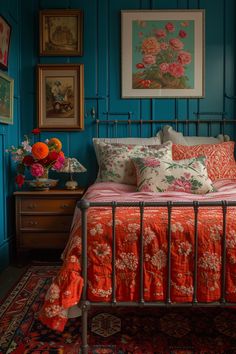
40,150
55,144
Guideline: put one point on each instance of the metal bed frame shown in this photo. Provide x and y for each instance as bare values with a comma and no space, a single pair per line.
84,206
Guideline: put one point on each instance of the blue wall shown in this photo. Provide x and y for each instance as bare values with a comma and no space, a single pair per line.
102,62
9,134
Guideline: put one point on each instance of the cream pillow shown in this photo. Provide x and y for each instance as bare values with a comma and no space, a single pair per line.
160,175
177,138
116,164
156,140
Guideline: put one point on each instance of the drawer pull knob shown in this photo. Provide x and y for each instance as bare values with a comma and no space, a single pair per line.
32,206
64,206
33,223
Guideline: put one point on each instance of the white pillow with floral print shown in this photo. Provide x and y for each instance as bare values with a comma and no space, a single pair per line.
115,160
160,175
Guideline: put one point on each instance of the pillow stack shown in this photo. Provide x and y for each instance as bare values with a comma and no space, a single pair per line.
165,167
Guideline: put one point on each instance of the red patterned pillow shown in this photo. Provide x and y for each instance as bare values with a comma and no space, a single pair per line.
220,160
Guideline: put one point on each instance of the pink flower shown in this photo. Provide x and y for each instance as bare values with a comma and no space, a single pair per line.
150,46
140,34
182,185
176,69
182,34
164,67
151,162
160,33
164,46
149,59
184,58
59,163
36,170
170,27
176,44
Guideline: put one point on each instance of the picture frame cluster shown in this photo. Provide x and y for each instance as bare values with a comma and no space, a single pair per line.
6,82
60,87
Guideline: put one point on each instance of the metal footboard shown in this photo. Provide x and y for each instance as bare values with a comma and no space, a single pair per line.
86,304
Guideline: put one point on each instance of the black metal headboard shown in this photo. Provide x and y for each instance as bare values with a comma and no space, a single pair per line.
222,124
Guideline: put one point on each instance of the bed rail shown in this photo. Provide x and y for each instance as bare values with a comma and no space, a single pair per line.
86,304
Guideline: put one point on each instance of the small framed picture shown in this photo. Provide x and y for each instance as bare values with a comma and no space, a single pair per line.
5,36
162,53
60,96
6,98
61,32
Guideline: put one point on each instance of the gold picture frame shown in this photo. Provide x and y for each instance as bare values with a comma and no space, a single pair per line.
61,32
60,90
6,98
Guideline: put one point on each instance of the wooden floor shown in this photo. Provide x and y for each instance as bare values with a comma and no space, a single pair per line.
10,275
8,278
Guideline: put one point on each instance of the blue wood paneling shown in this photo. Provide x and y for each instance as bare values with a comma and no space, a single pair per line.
102,64
9,134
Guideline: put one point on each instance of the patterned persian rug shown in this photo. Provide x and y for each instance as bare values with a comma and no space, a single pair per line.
121,331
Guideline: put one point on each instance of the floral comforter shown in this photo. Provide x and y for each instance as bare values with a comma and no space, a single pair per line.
66,288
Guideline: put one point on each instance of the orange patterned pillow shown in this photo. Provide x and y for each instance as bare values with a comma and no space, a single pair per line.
220,160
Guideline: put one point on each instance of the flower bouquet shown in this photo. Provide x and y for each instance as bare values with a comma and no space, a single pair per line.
163,56
38,159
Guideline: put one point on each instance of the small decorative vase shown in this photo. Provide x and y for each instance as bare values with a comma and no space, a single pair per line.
42,183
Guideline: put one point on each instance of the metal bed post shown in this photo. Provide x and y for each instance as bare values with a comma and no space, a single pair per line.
84,205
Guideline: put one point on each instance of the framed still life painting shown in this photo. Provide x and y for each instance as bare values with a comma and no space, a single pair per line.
6,98
60,96
5,34
61,32
162,53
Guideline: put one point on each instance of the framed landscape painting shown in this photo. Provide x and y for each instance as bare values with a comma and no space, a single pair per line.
60,96
162,53
6,98
61,32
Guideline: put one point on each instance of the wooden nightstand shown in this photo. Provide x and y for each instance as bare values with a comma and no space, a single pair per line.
43,218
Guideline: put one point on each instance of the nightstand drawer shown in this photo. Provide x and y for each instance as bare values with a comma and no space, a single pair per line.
44,222
60,206
44,218
44,240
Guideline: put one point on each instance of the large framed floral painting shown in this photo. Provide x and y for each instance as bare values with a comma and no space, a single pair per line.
162,53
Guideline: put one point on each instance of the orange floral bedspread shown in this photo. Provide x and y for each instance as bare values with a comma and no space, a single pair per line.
66,288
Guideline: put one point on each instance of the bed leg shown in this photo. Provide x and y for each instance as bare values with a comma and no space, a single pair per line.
85,328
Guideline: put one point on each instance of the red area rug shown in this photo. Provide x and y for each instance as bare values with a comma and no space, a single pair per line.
175,331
